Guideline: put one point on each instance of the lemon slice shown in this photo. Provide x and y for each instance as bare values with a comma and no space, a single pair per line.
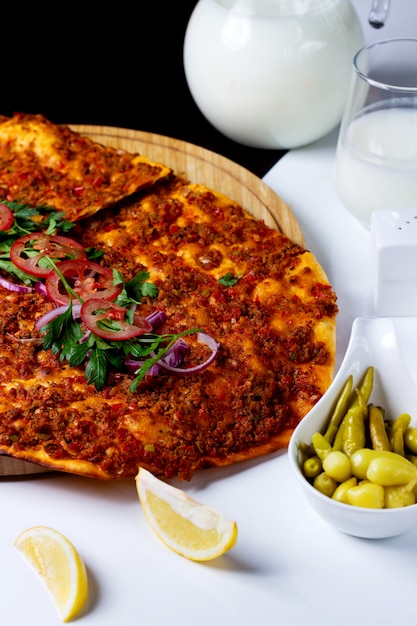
59,565
187,527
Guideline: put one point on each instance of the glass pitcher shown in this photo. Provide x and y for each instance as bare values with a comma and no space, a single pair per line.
271,73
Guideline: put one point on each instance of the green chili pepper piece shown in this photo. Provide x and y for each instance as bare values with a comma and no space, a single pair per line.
387,472
396,436
339,410
365,387
377,429
321,446
354,430
410,439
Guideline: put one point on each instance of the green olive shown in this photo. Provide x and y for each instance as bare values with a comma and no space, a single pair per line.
325,484
340,465
337,465
312,467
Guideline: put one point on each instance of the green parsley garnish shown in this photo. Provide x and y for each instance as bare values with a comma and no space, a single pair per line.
228,280
63,335
28,220
134,290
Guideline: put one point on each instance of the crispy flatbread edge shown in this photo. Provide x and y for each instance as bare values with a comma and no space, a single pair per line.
87,469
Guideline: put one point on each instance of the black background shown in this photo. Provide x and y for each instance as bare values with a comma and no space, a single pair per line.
118,64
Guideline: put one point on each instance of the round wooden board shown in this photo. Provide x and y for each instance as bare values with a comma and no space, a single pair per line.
198,165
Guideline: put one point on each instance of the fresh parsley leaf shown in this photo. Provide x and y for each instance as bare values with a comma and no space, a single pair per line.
140,349
28,220
77,354
118,278
11,268
228,280
94,253
99,354
138,287
135,289
62,333
96,370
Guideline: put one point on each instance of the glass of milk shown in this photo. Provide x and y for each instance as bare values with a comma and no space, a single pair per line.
376,157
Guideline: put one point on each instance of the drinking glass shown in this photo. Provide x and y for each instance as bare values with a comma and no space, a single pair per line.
376,156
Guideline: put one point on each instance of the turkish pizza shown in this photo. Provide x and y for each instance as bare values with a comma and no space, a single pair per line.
45,163
160,326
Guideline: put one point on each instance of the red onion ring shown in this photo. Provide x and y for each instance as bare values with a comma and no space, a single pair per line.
156,319
7,284
40,288
50,315
172,357
202,338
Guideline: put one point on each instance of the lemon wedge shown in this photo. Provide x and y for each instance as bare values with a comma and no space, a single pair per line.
187,527
59,565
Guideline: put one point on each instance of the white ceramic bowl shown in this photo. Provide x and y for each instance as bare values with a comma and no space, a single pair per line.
373,342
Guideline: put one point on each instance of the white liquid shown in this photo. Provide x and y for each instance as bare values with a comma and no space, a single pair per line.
271,81
376,164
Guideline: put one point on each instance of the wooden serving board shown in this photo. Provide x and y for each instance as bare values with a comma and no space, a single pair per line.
198,165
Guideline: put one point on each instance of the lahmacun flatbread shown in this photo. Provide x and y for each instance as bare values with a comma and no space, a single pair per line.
45,163
263,301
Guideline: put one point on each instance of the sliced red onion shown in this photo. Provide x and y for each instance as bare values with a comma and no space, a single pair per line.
7,284
156,319
173,357
154,370
133,365
176,353
40,288
202,338
48,317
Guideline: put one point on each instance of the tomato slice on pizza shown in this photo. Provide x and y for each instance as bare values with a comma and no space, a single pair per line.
86,278
108,320
6,217
31,252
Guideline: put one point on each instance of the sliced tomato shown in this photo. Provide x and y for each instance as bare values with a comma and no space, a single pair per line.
28,252
108,320
86,278
6,217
